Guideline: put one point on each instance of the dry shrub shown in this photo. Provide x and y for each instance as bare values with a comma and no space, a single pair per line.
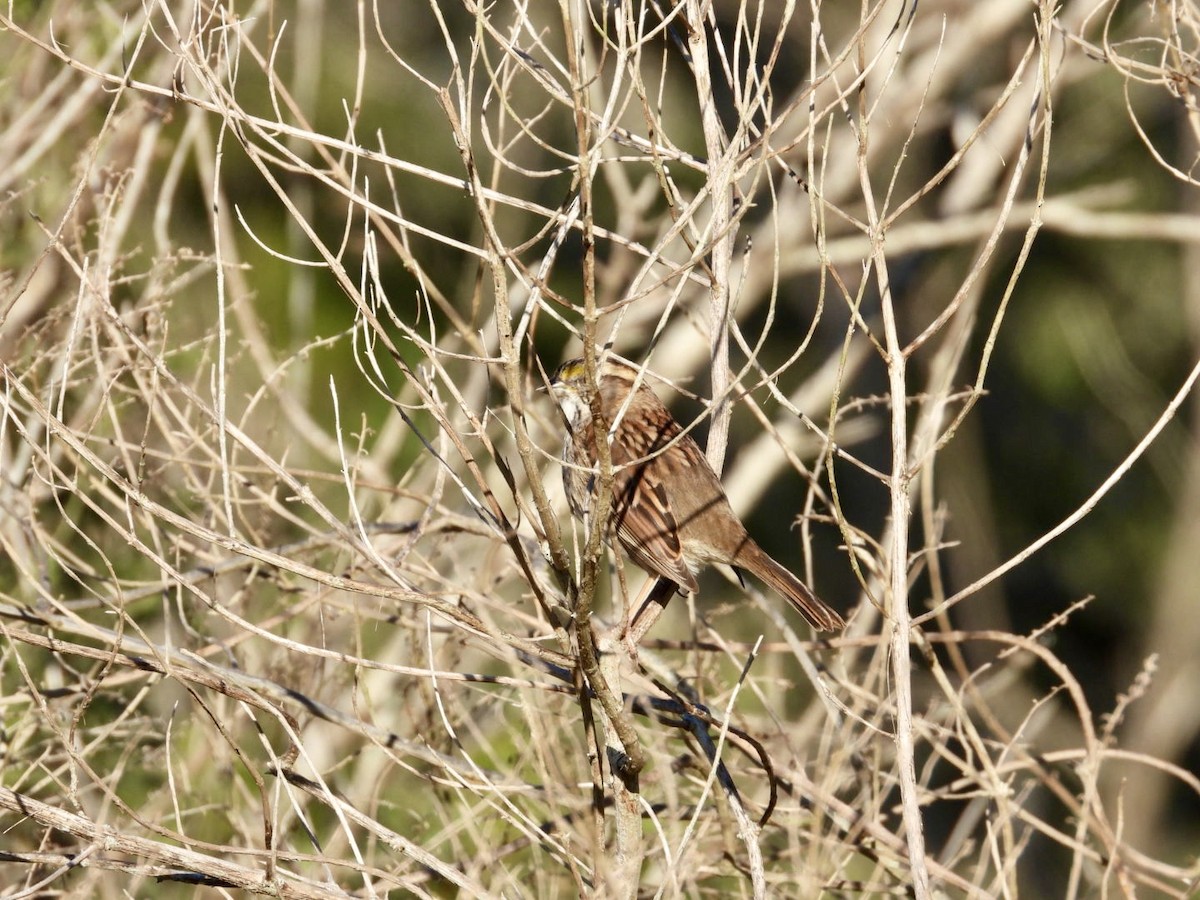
291,602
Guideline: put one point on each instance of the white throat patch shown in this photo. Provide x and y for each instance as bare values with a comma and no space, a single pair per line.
574,407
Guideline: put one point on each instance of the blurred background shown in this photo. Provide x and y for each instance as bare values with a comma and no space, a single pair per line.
270,272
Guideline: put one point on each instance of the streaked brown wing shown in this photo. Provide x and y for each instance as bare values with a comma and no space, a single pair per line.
648,529
649,534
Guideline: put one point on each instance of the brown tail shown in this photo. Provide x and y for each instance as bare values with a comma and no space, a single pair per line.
755,560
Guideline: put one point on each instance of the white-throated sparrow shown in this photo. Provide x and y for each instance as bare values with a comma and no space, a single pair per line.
670,513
